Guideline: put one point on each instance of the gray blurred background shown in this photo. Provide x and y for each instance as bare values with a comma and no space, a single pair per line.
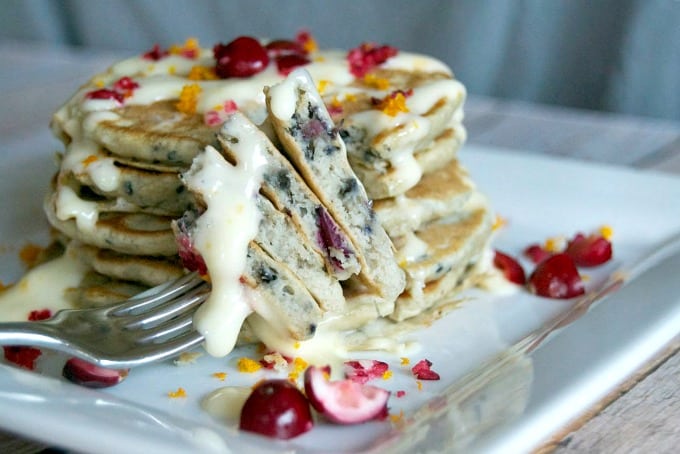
611,55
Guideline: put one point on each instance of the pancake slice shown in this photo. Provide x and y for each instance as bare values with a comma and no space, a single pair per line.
312,143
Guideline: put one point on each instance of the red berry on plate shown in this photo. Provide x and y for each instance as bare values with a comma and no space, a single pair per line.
423,370
556,277
510,267
364,370
592,250
243,57
344,401
90,375
22,355
536,253
276,408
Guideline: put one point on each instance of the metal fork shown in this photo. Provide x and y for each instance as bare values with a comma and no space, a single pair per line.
151,326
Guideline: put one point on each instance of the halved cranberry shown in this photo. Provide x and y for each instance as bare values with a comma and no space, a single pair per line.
423,370
90,375
281,47
242,57
536,253
364,370
287,63
331,237
556,277
510,267
276,408
592,250
344,401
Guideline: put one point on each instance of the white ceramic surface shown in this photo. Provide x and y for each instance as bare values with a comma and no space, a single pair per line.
510,404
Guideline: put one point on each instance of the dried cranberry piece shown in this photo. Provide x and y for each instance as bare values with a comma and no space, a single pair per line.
556,277
156,53
587,251
536,253
191,259
287,63
242,57
39,314
367,56
344,401
510,267
365,369
22,355
90,375
125,84
106,93
423,370
276,408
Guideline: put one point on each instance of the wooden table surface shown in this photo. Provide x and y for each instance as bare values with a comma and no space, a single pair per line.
643,415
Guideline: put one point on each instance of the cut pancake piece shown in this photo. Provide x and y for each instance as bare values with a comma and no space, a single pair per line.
281,298
285,243
438,255
383,178
312,143
287,191
441,193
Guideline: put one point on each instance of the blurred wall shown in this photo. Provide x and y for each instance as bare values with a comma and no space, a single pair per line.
614,55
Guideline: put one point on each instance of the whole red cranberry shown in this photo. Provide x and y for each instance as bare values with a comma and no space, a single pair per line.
243,57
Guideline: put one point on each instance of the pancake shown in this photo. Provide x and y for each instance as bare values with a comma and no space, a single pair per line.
311,142
441,193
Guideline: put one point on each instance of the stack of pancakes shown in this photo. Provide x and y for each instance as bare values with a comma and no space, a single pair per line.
366,213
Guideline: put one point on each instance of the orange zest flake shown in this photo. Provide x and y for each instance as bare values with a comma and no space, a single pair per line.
188,99
89,160
172,69
322,85
393,104
298,366
99,83
200,72
189,49
499,222
221,376
376,82
307,41
398,417
607,232
405,361
419,384
387,375
179,393
247,365
29,254
555,244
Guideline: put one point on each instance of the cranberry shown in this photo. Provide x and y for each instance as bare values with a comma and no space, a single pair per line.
42,314
276,408
22,355
106,93
556,277
331,237
90,375
423,370
536,253
156,53
592,250
367,56
281,47
510,267
286,63
125,84
243,57
344,401
364,370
